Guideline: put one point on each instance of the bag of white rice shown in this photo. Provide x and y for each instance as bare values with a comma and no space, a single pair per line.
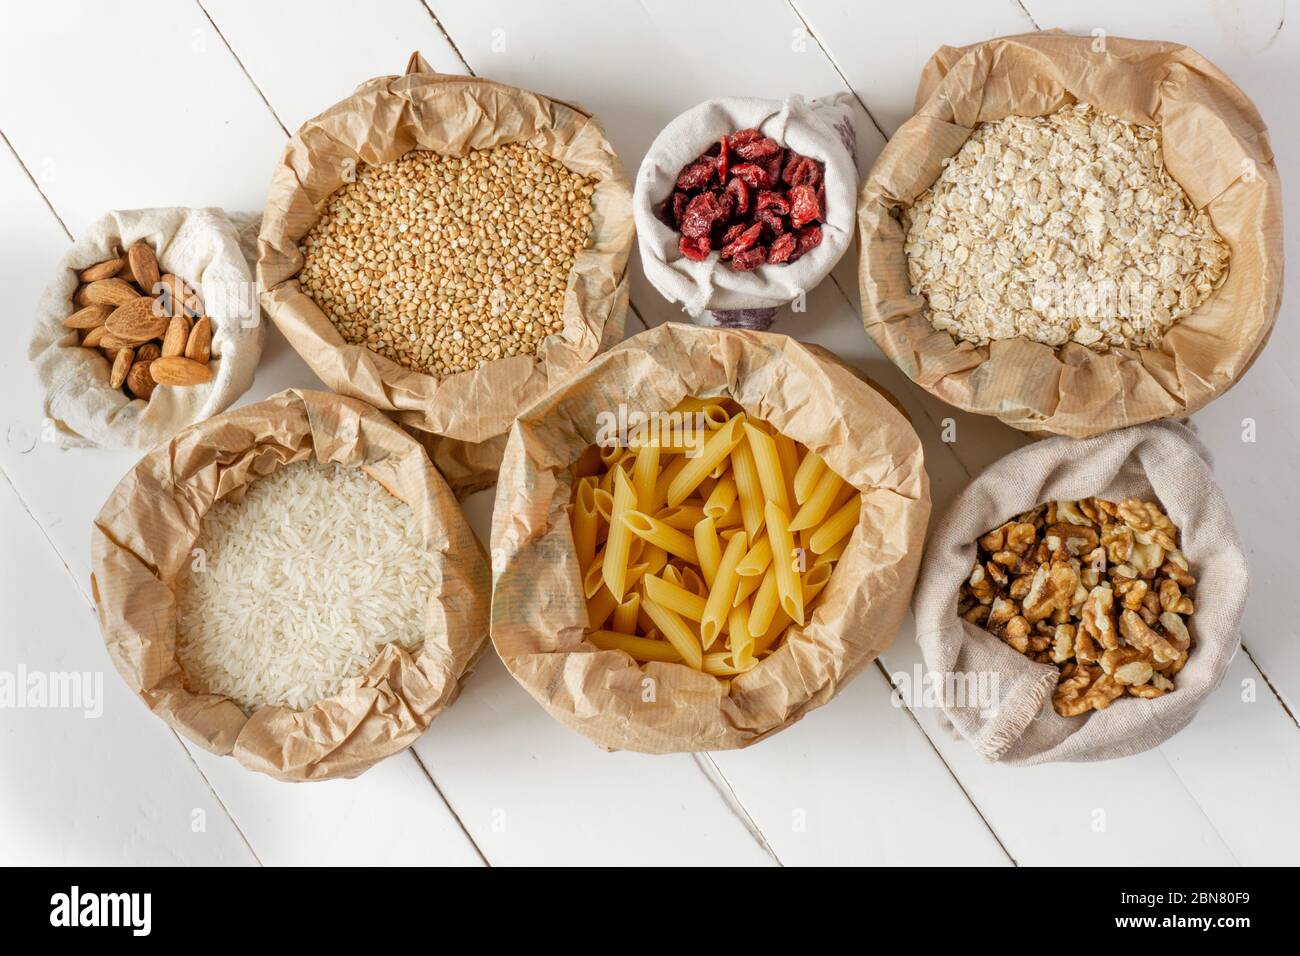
291,583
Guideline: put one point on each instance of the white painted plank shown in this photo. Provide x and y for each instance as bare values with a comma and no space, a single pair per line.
97,784
136,106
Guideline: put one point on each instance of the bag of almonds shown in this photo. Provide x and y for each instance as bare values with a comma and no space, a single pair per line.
802,395
744,205
184,295
299,545
1073,234
446,248
1093,588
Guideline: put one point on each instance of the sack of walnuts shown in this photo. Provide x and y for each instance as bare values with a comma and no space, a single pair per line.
540,608
1092,587
100,396
153,543
447,248
1073,234
743,205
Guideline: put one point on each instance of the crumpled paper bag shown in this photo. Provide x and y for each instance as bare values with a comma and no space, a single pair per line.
142,538
711,292
1163,460
1215,145
383,120
538,609
205,248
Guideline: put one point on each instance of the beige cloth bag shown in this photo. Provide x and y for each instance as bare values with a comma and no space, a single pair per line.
383,120
142,539
538,608
1215,145
206,248
1163,460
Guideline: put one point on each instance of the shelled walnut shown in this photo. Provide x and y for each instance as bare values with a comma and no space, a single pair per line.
1097,588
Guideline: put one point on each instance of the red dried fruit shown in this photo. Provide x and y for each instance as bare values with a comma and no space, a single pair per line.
722,159
755,176
700,214
804,207
774,201
696,249
727,203
782,249
740,190
809,238
775,224
773,167
741,137
697,174
792,162
680,199
758,149
813,172
745,240
733,231
749,260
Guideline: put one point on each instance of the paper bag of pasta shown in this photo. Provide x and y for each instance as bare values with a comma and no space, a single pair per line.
1084,595
743,205
293,584
447,248
1073,234
151,324
702,537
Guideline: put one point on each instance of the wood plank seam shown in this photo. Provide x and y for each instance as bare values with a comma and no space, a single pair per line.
450,809
713,773
240,63
836,67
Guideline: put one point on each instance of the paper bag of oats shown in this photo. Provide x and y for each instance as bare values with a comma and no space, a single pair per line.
1094,586
743,205
135,256
291,583
446,248
1028,253
785,395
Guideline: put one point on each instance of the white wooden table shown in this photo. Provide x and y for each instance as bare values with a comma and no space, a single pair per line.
86,104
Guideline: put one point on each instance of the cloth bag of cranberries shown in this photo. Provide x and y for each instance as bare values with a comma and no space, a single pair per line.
1004,706
744,205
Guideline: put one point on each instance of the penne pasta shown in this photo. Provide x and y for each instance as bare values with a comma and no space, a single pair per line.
837,527
814,511
676,632
720,665
666,476
586,523
655,532
748,489
787,578
768,464
739,641
641,648
722,592
683,517
755,562
706,548
762,611
787,452
676,598
806,478
645,473
722,497
599,607
833,554
625,614
718,445
619,543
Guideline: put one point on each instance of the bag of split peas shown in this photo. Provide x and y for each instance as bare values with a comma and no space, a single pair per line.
447,248
1029,253
1118,558
773,509
205,582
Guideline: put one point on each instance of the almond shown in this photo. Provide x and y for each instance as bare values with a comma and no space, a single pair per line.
135,322
176,370
144,265
138,380
199,345
94,337
110,292
121,365
110,343
181,294
103,270
178,333
91,317
148,352
79,298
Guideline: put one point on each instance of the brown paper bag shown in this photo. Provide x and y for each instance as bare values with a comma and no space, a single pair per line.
1215,145
383,120
538,609
142,538
1163,460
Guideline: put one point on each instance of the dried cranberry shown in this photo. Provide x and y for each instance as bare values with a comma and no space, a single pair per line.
744,241
792,162
804,207
722,159
809,238
775,224
775,202
700,214
727,205
814,172
740,190
696,249
758,149
755,176
697,174
749,260
741,137
680,199
733,232
782,249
